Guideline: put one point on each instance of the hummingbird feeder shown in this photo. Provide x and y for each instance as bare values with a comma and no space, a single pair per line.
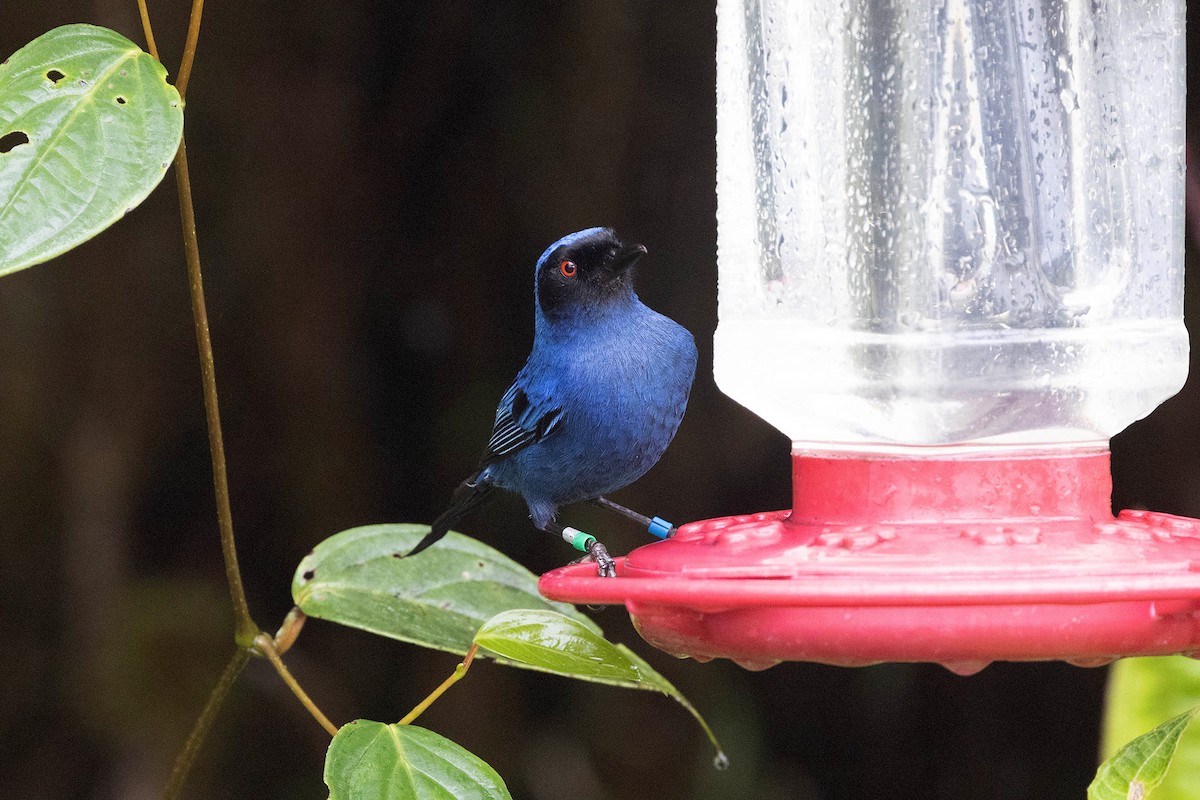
950,241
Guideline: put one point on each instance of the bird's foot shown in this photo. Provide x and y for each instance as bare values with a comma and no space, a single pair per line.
585,542
605,566
598,554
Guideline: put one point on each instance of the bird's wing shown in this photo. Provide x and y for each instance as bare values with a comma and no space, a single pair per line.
524,417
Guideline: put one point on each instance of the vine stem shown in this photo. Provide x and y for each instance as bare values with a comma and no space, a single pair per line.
144,13
286,636
266,645
455,677
189,47
187,756
246,629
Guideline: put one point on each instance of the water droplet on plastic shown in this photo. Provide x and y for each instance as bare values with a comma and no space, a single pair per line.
965,668
721,761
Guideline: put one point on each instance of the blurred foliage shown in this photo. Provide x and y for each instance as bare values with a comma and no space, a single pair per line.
1145,692
1137,768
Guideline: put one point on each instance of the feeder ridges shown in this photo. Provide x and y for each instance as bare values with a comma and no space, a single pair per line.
956,560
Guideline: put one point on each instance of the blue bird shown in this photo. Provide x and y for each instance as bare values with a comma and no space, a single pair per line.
598,400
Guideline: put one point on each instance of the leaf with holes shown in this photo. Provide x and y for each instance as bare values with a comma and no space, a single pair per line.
373,761
550,642
1140,766
88,126
438,598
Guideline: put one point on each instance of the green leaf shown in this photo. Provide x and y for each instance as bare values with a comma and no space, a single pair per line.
437,599
1138,767
551,642
88,126
1141,693
373,761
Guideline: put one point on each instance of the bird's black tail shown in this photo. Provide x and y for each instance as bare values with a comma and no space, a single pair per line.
469,494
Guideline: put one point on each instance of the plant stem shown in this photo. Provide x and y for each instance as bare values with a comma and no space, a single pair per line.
285,637
189,48
266,645
246,629
459,671
187,756
144,13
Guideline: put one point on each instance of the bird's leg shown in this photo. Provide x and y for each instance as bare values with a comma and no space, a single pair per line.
656,525
586,543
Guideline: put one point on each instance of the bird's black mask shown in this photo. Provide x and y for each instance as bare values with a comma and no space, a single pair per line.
586,275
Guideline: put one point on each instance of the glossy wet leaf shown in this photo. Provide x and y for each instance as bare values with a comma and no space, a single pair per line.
438,598
373,761
1142,692
551,642
1138,767
554,643
88,127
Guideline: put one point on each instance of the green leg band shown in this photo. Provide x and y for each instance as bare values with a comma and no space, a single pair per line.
578,539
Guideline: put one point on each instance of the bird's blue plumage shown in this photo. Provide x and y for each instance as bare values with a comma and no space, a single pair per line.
601,395
603,401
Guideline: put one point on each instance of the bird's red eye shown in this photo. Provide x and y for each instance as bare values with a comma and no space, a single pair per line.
568,269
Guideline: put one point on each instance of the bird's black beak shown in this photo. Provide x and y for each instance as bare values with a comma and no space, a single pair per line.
628,256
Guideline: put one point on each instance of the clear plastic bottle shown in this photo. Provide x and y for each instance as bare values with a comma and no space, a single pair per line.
950,221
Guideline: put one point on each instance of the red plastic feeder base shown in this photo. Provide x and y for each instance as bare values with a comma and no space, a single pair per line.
960,560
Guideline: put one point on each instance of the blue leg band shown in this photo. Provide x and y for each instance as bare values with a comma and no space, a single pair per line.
660,527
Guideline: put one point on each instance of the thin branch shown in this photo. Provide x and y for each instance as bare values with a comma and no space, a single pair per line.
266,645
189,48
246,629
187,756
147,30
459,672
285,637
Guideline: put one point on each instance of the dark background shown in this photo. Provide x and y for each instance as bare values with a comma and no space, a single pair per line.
373,182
